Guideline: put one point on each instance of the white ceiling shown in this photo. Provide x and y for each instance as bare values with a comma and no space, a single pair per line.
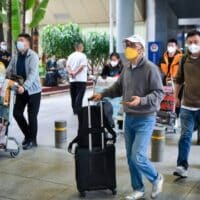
84,11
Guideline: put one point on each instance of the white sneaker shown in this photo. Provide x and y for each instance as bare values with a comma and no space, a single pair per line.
157,187
135,195
181,171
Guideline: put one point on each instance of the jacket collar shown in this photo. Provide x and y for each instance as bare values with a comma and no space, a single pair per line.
27,53
139,64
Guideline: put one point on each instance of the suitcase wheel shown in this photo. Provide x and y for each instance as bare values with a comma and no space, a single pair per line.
13,154
82,194
114,192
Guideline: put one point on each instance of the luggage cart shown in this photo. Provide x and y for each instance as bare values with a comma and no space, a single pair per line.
7,143
166,117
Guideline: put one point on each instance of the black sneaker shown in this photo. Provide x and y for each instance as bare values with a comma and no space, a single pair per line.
28,145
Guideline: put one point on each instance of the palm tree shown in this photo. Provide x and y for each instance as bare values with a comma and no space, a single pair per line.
39,11
34,31
13,17
13,22
1,23
1,32
26,5
23,12
2,18
9,33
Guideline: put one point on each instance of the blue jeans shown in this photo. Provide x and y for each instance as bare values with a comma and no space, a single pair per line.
189,120
138,131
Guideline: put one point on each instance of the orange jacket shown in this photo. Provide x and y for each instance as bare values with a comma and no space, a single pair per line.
173,68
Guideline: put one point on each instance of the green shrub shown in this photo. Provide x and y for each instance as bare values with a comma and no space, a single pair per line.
97,48
59,40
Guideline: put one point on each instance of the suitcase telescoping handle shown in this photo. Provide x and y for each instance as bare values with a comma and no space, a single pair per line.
90,125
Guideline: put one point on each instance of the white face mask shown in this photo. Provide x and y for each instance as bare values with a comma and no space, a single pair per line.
114,63
3,47
171,49
194,48
20,46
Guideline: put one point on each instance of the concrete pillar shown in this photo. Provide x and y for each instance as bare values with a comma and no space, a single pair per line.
166,22
124,22
150,20
161,21
172,22
111,20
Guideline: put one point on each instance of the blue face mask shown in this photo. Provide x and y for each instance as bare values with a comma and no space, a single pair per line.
20,45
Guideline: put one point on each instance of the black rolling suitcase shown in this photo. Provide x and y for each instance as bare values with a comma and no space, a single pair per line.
95,166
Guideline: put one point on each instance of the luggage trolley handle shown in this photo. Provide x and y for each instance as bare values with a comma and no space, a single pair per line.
90,124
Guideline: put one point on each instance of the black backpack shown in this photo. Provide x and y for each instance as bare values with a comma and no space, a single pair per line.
82,138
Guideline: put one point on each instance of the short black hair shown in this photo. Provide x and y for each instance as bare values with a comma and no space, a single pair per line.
26,36
115,54
172,40
193,33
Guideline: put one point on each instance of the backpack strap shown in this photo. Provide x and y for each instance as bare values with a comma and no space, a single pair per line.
74,141
182,62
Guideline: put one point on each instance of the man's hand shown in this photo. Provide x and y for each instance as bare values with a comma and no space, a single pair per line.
96,97
20,90
72,74
135,101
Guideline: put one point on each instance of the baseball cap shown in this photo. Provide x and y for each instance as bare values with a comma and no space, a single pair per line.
135,38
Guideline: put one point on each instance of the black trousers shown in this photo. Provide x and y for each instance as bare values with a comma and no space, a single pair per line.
30,127
77,91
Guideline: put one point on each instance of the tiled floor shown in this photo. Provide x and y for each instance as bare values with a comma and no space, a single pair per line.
47,173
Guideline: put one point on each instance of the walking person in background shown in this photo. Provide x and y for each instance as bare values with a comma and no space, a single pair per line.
169,65
170,61
140,86
26,64
190,104
77,70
